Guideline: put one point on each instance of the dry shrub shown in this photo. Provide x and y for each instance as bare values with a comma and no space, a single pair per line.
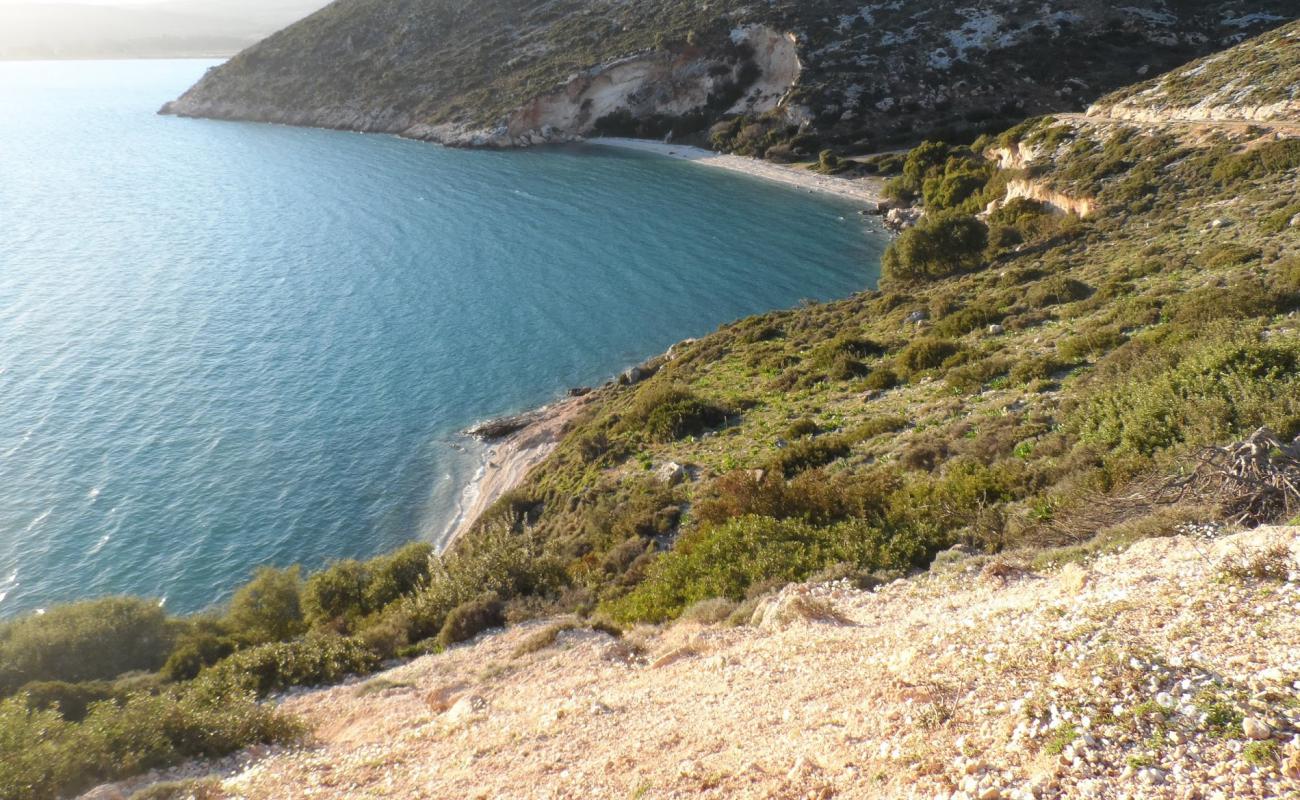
542,639
1272,563
709,612
801,607
1255,482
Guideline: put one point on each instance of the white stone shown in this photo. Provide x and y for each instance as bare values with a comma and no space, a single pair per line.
1256,728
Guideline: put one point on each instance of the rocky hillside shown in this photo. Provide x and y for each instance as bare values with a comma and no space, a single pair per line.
1259,82
1168,670
514,72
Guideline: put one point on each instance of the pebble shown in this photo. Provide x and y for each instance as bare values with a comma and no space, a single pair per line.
1256,728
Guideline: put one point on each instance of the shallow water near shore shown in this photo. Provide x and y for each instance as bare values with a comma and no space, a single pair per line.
229,344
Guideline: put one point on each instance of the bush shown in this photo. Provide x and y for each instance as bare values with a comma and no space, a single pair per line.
925,353
937,247
725,561
809,453
268,608
1221,390
1226,256
471,618
43,756
336,593
1261,162
967,320
881,379
1056,290
315,659
71,700
90,640
958,189
802,427
667,413
201,646
399,573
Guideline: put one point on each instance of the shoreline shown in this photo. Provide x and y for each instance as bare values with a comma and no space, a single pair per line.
532,435
862,190
508,459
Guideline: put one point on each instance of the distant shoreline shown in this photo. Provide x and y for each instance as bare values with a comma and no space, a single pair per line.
862,190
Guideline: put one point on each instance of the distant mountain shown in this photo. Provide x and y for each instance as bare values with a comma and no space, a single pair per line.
784,76
172,28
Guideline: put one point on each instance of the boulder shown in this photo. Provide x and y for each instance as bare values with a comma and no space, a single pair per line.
671,473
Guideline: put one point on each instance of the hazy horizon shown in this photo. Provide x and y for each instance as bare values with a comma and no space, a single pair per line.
56,29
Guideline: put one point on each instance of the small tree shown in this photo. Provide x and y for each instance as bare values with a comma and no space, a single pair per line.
938,247
268,608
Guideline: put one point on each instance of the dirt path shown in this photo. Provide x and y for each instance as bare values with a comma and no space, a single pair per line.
1288,129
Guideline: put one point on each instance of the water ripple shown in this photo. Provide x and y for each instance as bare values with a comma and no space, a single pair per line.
238,344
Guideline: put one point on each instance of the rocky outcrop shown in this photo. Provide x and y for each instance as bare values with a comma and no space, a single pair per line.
1057,201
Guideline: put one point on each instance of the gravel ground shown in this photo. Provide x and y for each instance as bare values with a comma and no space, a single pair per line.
1171,670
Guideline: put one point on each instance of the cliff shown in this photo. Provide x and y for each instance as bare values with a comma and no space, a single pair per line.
519,72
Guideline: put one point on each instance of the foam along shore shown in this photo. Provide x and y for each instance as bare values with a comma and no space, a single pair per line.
523,443
862,190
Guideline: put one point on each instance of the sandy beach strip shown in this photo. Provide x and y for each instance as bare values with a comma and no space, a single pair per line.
509,459
862,190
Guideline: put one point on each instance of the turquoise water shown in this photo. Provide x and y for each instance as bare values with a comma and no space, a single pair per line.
225,344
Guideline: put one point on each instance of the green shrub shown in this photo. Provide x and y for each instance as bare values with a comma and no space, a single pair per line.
71,700
268,608
471,618
959,188
925,353
967,320
1056,290
43,756
1263,161
1280,220
312,660
89,640
336,593
802,427
200,646
921,162
880,379
398,573
1245,298
1226,256
725,561
809,453
937,247
1222,389
665,412
1092,342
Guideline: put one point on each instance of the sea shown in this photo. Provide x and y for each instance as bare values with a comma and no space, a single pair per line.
225,344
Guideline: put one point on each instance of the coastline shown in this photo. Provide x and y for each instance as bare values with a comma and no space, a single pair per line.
508,459
529,437
862,190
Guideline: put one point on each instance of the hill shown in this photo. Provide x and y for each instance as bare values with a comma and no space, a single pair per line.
787,77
